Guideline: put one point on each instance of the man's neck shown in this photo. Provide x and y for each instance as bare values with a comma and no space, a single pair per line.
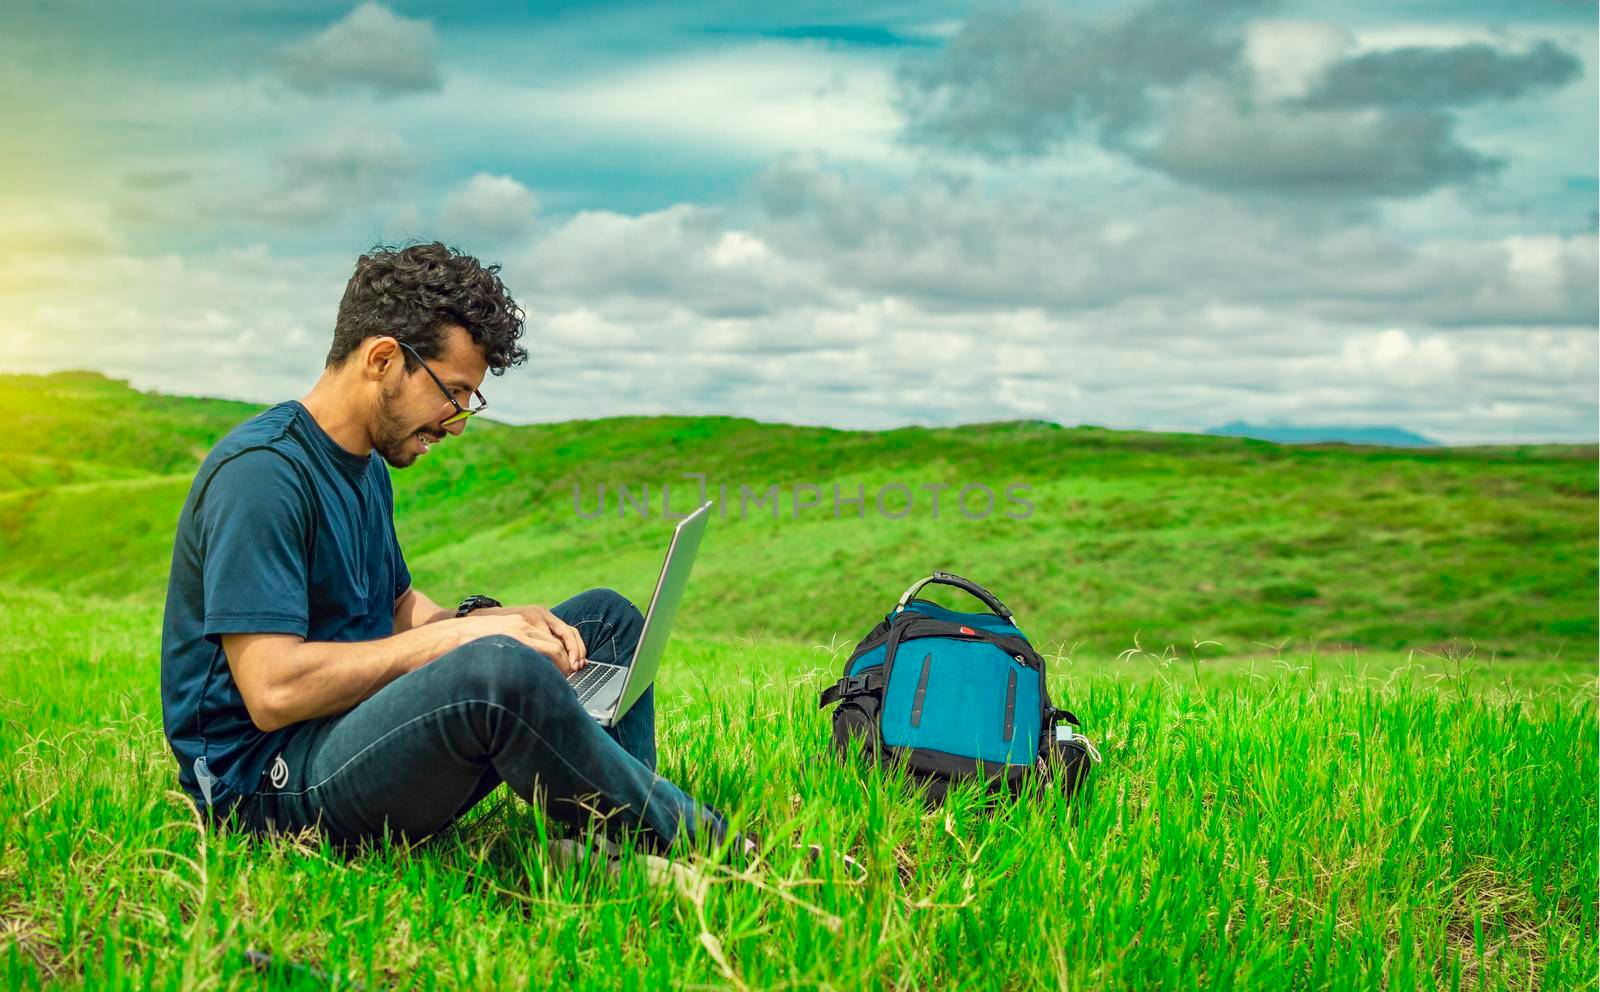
329,403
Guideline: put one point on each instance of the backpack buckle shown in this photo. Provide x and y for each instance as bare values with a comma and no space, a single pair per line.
852,685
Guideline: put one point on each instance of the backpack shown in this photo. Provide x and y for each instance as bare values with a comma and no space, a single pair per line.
956,697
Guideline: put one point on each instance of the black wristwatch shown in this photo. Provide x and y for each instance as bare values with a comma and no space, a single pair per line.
475,603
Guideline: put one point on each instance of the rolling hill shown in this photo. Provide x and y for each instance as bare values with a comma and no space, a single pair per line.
1169,539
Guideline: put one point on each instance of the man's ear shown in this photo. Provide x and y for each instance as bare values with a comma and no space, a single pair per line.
380,356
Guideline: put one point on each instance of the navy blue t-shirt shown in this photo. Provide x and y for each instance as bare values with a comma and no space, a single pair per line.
283,532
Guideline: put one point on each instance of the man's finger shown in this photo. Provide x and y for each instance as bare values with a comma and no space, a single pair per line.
540,639
572,639
542,628
556,652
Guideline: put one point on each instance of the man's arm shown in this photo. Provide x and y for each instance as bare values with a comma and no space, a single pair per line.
285,679
413,609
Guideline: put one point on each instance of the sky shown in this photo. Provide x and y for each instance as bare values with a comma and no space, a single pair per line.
1163,215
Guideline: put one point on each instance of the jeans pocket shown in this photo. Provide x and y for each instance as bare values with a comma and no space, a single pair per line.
270,809
256,812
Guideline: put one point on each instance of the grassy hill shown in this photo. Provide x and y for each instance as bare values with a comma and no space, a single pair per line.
1167,538
1381,775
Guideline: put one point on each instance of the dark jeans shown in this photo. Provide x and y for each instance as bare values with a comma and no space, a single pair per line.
427,747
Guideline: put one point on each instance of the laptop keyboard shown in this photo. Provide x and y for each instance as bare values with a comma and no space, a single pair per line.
594,677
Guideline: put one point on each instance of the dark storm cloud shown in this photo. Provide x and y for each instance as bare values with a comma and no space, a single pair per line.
1015,80
1169,86
1329,154
1452,76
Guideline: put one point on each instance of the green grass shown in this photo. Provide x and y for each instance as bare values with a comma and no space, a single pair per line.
1382,773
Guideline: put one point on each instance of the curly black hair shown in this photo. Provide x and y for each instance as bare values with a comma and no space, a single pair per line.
413,293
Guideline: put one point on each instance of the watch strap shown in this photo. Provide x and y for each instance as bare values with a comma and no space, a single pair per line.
475,603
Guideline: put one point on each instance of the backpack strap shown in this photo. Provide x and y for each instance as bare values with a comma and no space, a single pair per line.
1067,715
853,685
946,578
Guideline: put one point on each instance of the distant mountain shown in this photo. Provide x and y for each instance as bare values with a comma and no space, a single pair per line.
1396,437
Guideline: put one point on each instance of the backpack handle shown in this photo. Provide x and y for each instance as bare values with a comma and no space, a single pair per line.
950,579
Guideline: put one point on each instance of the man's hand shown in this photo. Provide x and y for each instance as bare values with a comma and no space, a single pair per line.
534,626
561,630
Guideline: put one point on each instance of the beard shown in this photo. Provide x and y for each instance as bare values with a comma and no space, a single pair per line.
391,438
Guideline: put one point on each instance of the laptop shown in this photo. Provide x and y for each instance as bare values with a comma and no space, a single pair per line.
608,691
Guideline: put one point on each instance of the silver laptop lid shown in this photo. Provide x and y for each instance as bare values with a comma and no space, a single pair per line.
663,607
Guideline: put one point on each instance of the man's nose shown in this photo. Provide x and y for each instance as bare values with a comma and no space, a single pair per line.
456,428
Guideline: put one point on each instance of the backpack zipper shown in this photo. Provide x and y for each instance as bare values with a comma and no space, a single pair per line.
1017,648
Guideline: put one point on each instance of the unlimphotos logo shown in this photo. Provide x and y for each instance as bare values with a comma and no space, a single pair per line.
280,772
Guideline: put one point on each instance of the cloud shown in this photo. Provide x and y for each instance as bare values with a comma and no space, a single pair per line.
1212,140
55,227
843,297
1018,79
951,241
1206,95
1452,76
867,301
753,100
1288,57
687,257
241,322
1155,364
496,207
371,48
1394,355
812,236
355,167
353,159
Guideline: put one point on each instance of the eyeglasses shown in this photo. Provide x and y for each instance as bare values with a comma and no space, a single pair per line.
462,413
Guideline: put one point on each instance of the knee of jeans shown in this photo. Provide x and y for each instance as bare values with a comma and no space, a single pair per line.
502,669
615,600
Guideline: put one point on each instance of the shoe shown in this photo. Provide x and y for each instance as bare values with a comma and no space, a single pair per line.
745,853
748,855
598,849
855,871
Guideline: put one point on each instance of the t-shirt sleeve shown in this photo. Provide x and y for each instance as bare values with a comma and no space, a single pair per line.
402,574
255,524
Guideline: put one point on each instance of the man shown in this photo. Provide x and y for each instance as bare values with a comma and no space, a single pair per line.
306,683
